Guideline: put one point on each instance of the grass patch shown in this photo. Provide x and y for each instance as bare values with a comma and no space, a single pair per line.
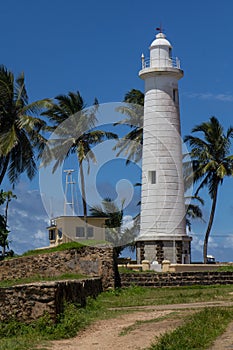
66,246
59,248
15,335
137,324
228,268
141,296
18,336
123,269
26,280
198,332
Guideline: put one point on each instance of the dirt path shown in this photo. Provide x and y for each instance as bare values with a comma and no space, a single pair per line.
225,341
105,334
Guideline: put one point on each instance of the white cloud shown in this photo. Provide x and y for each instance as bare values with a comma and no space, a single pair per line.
228,243
197,243
127,222
27,220
210,96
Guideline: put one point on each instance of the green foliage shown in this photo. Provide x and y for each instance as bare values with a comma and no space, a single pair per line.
114,233
197,332
131,144
212,162
21,139
73,127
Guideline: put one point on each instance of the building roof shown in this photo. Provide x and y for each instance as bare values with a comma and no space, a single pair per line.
160,41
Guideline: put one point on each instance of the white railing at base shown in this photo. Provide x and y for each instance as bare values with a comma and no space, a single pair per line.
173,62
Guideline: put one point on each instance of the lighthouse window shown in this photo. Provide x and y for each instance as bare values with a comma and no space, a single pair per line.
175,95
152,177
170,52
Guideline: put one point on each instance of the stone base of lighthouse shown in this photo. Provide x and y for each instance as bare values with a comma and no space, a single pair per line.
175,249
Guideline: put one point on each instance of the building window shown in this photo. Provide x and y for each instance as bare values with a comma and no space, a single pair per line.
79,232
175,95
52,235
170,52
90,232
152,177
60,232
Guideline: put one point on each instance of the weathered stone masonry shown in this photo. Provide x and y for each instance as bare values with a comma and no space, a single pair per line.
90,261
176,279
30,301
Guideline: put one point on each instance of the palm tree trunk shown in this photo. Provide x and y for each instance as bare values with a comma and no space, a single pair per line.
83,192
4,168
205,246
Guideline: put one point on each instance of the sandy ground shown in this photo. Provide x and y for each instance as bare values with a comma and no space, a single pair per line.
225,341
105,334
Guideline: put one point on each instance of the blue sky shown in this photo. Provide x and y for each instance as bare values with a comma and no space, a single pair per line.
95,47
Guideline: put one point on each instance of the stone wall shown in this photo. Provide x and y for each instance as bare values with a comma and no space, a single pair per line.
30,301
176,279
90,261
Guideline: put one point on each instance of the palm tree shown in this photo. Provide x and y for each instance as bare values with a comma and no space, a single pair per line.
193,211
20,130
212,162
131,144
74,129
114,233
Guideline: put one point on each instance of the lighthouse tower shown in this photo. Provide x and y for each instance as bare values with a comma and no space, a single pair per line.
162,228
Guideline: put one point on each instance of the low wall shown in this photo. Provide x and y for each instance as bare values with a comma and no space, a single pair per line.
90,261
176,279
168,267
30,301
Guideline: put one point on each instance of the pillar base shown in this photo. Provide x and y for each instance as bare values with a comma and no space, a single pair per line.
177,250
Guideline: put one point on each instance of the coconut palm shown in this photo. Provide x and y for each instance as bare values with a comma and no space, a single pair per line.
21,141
193,211
74,130
212,162
131,144
115,234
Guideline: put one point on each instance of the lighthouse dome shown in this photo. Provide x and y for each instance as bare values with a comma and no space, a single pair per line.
160,41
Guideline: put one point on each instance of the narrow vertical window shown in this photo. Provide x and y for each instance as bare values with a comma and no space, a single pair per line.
60,232
90,232
174,95
170,52
152,177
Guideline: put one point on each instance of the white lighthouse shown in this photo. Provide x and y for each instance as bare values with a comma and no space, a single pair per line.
162,228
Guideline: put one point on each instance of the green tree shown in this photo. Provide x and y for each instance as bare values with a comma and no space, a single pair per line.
193,211
212,162
131,144
115,234
74,127
21,140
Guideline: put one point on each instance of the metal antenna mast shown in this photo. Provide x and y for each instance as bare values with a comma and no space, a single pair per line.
71,182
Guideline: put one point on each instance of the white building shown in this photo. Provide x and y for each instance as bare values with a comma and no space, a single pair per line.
162,228
64,229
